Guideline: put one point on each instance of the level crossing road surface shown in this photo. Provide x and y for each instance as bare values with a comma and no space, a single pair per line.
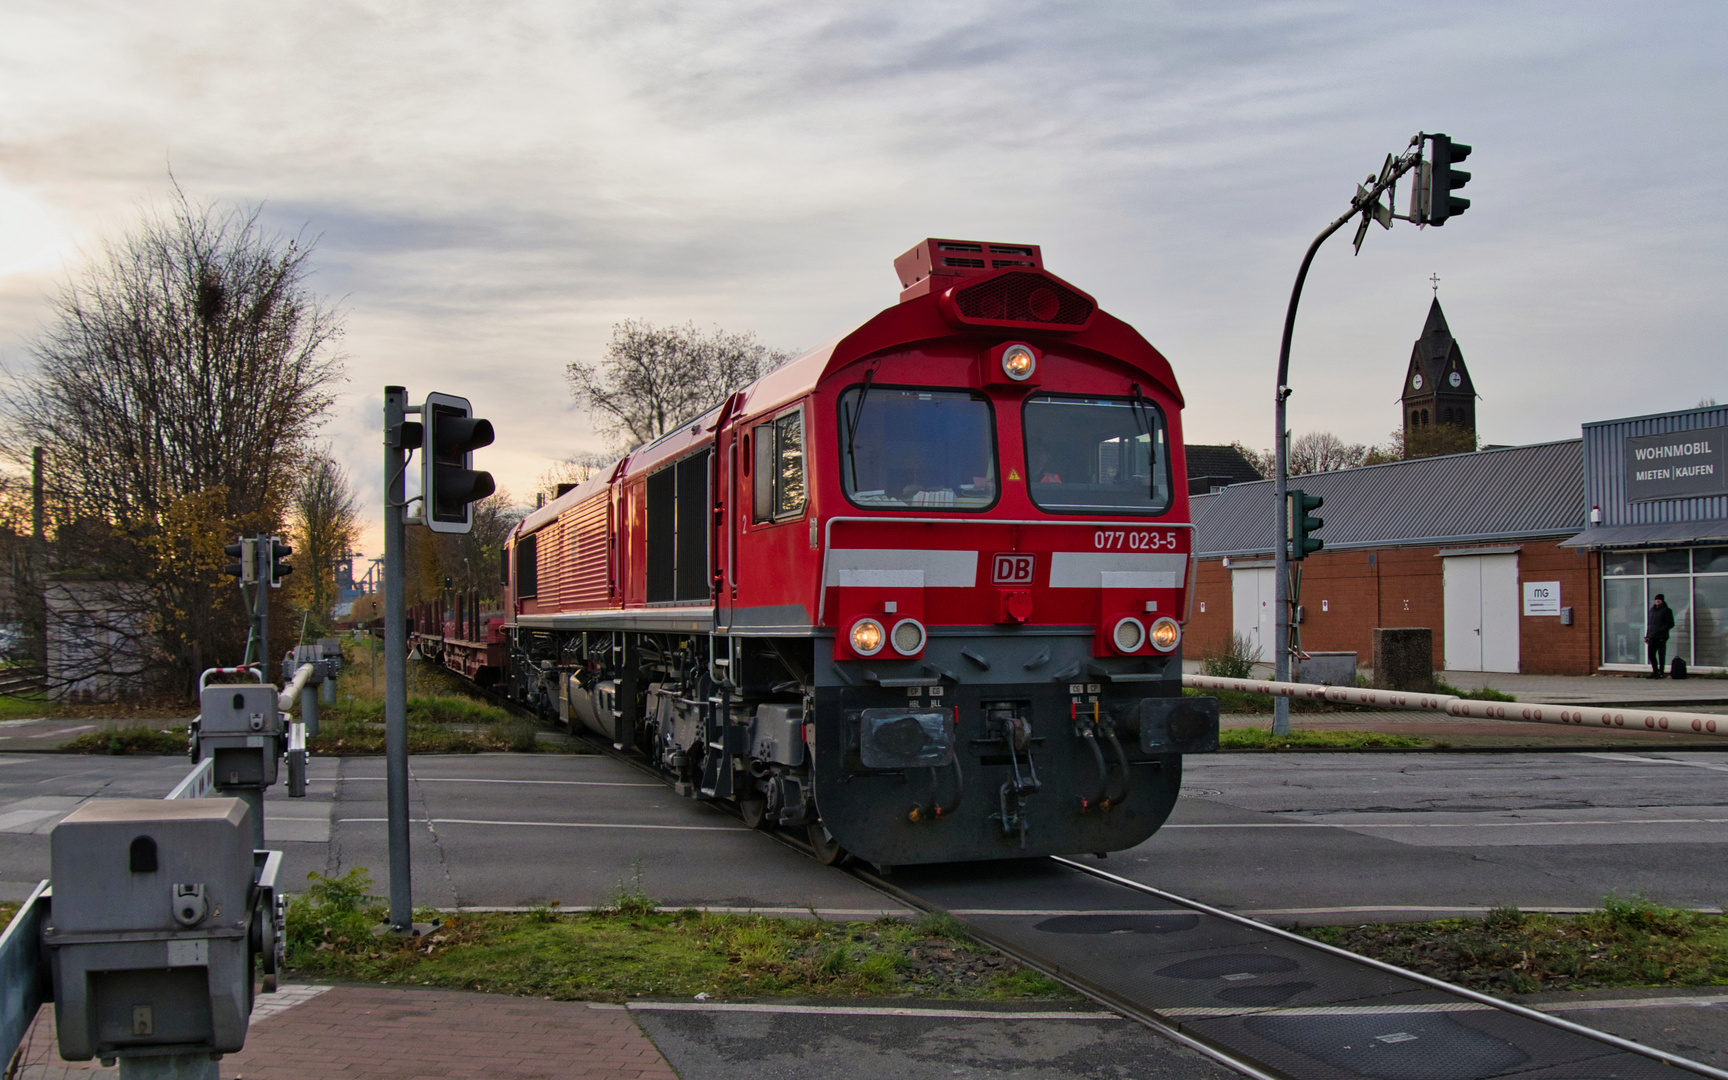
1312,838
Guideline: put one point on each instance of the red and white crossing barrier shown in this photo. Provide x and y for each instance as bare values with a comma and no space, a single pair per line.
1635,719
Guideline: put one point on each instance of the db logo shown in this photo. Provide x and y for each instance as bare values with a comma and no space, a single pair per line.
1013,569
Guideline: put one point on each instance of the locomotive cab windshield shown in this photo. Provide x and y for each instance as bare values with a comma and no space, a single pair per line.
1087,455
906,447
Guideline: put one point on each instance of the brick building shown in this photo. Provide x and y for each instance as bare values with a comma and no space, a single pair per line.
1468,545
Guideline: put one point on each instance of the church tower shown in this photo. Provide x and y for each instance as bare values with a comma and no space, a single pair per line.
1437,387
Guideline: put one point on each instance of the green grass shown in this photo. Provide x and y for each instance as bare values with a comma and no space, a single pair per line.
1625,943
1486,693
24,706
634,949
8,908
1254,738
129,740
436,725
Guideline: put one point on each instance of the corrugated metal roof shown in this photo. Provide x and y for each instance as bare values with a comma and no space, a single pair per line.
1677,534
1516,491
1605,448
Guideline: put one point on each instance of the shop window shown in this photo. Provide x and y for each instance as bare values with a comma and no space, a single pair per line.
1669,562
1710,560
1621,565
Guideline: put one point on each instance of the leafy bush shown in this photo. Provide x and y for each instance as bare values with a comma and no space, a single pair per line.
1235,661
128,740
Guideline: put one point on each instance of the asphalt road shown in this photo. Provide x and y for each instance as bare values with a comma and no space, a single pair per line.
1293,837
1314,838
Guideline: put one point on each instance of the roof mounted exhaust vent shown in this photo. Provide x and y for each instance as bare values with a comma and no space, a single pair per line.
934,265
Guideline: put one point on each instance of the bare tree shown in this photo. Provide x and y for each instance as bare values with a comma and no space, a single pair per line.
326,526
176,393
1264,461
1322,451
651,379
576,469
442,562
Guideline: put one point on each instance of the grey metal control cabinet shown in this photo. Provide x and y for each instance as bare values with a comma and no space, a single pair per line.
153,927
240,729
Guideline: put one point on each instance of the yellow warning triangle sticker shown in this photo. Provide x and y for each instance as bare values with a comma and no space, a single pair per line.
1013,474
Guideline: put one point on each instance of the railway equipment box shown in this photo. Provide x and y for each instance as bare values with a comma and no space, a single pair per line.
240,728
153,925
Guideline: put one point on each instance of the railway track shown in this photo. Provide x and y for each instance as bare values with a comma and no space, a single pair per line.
1266,1002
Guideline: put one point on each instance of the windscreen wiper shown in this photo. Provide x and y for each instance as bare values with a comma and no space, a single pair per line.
852,427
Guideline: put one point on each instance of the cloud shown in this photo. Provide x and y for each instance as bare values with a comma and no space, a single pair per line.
493,186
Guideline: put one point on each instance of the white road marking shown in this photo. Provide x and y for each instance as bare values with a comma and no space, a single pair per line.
1641,760
551,824
26,820
1450,1007
60,732
849,1010
473,780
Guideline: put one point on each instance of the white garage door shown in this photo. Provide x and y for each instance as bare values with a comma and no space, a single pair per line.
1252,607
1481,594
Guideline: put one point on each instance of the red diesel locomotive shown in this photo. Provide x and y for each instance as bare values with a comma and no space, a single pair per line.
921,590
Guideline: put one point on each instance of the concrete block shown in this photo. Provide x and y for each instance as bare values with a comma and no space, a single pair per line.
1404,658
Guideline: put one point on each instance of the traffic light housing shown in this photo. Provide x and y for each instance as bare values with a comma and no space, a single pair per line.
278,568
1442,180
448,481
1298,506
245,565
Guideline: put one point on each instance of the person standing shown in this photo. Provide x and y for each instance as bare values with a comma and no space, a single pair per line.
1656,630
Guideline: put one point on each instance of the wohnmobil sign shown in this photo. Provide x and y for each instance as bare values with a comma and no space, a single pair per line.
1681,465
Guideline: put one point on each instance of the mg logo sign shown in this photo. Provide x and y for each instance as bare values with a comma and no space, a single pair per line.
1013,568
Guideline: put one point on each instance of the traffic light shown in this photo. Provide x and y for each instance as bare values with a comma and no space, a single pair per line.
1443,180
278,568
245,566
448,483
1302,524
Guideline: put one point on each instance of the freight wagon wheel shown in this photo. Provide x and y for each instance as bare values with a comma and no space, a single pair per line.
754,812
827,849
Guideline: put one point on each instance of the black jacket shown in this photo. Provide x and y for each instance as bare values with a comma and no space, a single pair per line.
1661,621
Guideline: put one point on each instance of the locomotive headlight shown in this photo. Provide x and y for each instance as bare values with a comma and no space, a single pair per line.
1128,635
867,637
1019,362
1166,633
908,637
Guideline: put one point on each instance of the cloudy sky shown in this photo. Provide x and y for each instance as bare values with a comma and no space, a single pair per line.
495,185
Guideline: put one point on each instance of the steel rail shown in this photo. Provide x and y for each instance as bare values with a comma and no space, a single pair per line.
1137,1012
1535,712
1615,1041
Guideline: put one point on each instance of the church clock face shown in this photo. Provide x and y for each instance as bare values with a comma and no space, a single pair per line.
1455,379
1416,380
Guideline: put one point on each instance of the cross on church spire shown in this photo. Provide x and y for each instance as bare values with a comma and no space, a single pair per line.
1435,279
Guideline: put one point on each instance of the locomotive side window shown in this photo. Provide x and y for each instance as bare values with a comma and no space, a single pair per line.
778,477
527,566
1096,455
909,447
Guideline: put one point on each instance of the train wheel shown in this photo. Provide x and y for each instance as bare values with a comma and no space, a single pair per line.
827,849
754,812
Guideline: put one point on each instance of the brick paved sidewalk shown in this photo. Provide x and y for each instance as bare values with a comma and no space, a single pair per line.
389,1033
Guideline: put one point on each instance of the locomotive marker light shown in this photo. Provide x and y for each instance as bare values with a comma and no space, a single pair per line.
867,637
1128,635
908,637
1019,362
1441,180
448,480
1166,634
